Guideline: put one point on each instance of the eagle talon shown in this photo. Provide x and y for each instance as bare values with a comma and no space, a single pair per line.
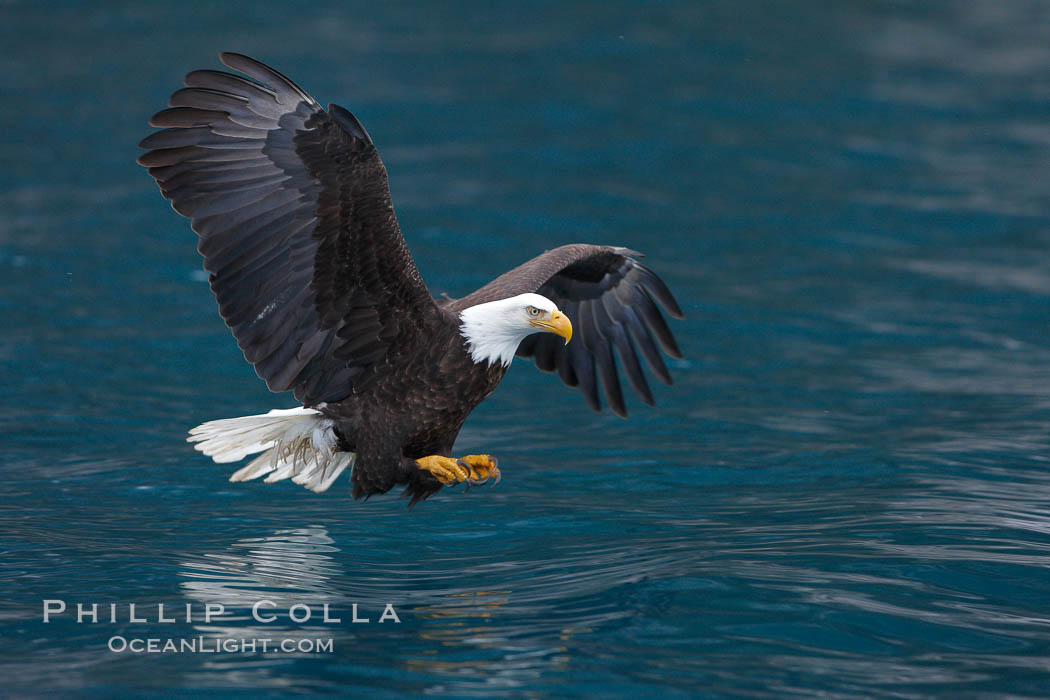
482,468
468,480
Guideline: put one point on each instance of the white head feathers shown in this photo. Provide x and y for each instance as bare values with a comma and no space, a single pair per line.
494,330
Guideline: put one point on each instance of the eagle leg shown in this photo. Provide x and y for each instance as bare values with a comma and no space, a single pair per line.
474,469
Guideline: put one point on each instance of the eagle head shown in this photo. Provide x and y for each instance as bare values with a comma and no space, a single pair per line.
494,330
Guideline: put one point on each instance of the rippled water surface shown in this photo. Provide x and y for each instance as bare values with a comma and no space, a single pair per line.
846,492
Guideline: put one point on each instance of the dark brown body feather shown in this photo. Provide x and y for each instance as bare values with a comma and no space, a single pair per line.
315,280
412,412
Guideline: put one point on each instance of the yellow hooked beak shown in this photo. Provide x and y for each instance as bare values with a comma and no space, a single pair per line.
558,324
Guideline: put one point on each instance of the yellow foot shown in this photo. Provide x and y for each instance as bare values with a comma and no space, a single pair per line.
474,469
445,469
482,468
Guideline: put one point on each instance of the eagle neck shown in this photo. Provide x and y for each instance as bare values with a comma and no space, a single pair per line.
489,336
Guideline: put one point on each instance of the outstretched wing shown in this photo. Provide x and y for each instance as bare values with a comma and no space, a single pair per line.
611,300
296,226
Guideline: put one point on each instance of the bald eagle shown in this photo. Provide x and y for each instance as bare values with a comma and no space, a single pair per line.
312,275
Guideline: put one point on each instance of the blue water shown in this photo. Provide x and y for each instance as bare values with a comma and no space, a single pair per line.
847,491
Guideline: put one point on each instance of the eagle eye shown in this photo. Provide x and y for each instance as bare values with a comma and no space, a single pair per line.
533,311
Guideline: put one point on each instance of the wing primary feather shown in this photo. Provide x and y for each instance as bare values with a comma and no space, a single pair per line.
527,346
198,136
227,127
614,329
208,98
209,78
163,173
566,370
583,364
656,323
172,179
264,74
238,107
185,116
173,156
546,347
644,342
658,290
198,186
604,361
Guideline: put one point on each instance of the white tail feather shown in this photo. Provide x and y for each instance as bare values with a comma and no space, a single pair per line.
297,442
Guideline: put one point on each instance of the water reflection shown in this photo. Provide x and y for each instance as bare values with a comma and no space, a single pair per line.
469,636
885,567
293,567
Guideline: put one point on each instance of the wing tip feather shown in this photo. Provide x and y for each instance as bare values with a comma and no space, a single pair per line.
254,68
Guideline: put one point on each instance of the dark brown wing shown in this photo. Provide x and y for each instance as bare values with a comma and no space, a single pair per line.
611,300
296,226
